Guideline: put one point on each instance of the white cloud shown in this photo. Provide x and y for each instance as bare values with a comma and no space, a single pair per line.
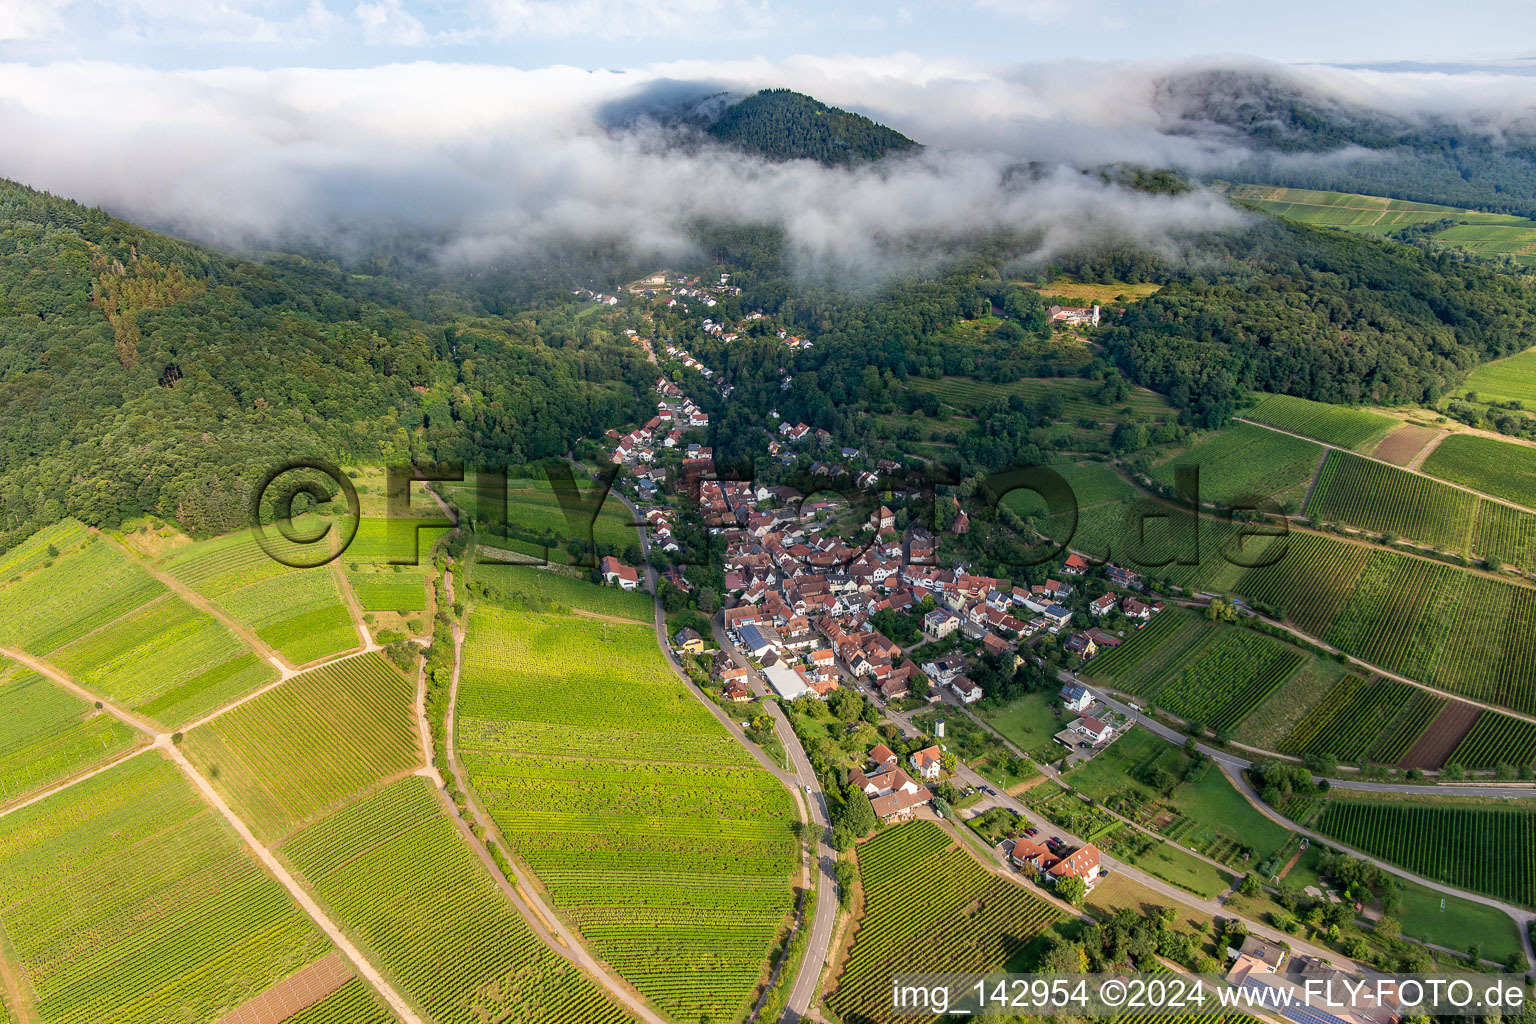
29,19
387,22
491,160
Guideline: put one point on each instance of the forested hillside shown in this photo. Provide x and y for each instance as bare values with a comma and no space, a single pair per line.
785,125
140,374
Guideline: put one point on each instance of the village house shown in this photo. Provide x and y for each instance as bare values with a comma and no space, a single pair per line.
615,571
927,762
968,691
1076,565
940,622
1102,605
689,641
1097,732
1076,696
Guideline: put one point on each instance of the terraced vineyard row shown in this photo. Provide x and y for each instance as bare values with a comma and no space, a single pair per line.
48,734
1384,499
928,907
396,873
102,618
657,836
1245,461
1377,720
1506,534
1496,740
1500,468
1332,424
127,900
353,1003
390,588
300,612
1310,583
1400,614
1491,850
304,746
1229,676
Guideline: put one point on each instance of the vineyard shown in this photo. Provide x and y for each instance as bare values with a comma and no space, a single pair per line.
1377,720
1228,676
1244,461
399,588
1310,583
299,612
33,552
1384,499
928,907
395,872
533,511
654,833
1331,424
1079,400
1199,670
1401,613
353,1003
98,616
1506,534
535,589
127,900
48,734
1500,468
308,744
1494,740
1506,380
1490,850
1488,654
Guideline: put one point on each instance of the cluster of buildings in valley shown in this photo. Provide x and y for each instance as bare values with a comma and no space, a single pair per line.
676,413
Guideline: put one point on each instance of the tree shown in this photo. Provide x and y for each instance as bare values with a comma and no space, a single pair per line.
1072,889
1065,958
1251,886
948,760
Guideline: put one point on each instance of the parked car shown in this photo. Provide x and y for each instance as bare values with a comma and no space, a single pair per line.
1031,831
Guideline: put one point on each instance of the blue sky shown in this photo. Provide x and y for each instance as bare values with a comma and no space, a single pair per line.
180,34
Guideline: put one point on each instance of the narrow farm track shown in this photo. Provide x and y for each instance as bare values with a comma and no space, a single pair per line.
300,895
523,894
1425,452
42,668
202,604
354,609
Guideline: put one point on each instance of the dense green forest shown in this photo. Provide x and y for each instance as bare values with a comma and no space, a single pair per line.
785,125
140,374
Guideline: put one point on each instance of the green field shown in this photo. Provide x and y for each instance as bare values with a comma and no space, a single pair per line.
1478,847
1499,468
1028,723
1172,864
1331,424
655,833
539,589
389,588
33,552
126,899
1198,670
1386,500
535,513
929,907
100,617
1244,461
1487,234
47,734
303,747
1358,719
1432,916
1505,380
300,612
397,875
